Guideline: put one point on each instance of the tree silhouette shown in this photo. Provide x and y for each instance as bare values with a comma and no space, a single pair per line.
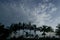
34,27
27,34
13,29
45,29
30,27
36,36
58,30
1,31
4,33
50,29
23,27
19,26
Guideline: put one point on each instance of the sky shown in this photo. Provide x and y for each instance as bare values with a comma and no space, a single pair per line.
39,12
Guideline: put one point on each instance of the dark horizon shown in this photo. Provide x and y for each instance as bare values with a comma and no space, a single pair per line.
21,31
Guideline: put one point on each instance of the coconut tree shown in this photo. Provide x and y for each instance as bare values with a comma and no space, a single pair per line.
49,29
3,32
27,34
58,30
45,29
30,27
23,27
19,27
13,28
34,28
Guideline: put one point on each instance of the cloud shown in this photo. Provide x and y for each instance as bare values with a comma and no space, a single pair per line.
27,10
56,21
43,13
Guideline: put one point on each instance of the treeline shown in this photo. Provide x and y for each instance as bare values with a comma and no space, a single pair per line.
6,32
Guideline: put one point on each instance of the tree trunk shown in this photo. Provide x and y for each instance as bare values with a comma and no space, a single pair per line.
30,33
35,32
44,34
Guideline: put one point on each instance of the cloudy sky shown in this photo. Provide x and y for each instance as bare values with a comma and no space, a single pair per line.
39,12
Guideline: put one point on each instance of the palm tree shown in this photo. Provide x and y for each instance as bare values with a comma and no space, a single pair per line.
44,29
58,30
34,26
13,28
27,34
23,27
49,29
30,27
3,32
19,26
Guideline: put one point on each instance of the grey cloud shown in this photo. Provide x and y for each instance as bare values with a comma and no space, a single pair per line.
25,11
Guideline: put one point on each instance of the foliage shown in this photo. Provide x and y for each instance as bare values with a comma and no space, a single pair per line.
44,29
58,30
5,33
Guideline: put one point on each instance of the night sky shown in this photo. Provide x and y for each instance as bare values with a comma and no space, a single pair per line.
39,12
